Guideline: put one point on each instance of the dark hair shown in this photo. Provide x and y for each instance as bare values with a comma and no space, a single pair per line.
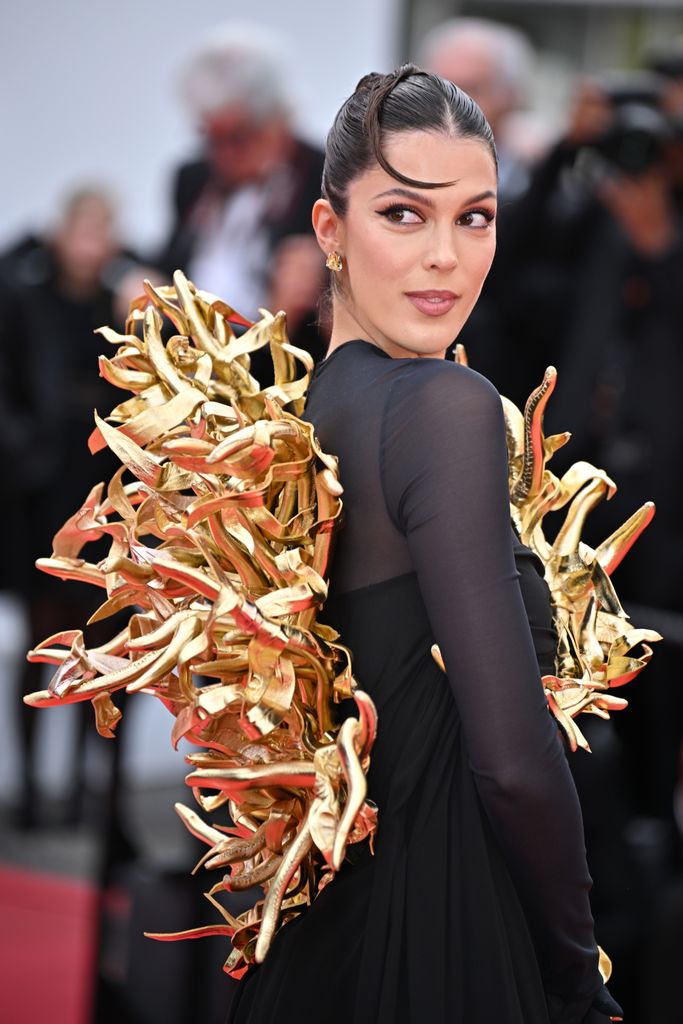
407,99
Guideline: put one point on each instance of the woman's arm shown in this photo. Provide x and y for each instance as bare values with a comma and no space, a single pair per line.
445,482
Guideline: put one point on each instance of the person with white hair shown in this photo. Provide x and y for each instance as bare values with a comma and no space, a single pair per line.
492,62
242,209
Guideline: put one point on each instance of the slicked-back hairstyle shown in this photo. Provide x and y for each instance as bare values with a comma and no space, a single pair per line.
405,100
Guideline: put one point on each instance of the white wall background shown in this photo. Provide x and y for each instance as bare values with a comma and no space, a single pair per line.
88,96
88,91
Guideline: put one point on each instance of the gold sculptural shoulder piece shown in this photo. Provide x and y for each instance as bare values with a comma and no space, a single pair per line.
220,522
596,641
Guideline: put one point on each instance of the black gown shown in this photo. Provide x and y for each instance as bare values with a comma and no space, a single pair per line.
474,908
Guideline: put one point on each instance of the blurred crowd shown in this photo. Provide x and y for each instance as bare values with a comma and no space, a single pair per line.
588,278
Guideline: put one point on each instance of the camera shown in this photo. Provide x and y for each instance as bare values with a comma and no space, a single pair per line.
638,131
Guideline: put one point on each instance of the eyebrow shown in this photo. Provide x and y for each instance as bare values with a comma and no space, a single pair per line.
420,197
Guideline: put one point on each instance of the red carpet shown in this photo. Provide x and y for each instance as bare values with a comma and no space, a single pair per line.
46,948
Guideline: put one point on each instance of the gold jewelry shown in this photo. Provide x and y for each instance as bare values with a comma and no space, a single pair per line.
334,262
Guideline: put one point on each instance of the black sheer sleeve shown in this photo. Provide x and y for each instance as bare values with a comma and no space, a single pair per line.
444,472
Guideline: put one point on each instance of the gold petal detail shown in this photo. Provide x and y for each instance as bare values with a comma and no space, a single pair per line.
220,524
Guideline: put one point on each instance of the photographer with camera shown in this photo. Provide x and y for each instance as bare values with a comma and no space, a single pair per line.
624,137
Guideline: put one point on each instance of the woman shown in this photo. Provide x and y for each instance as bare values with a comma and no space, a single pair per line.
474,907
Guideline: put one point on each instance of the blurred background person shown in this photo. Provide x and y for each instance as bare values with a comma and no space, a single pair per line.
59,295
494,63
242,220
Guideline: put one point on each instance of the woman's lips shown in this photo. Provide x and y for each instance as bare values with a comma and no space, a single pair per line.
433,303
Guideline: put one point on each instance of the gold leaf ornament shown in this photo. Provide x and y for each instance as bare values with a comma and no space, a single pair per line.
220,522
598,648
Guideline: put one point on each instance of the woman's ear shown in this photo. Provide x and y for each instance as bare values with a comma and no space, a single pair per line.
327,226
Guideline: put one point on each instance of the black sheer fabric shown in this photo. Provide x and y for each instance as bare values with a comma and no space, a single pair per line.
474,907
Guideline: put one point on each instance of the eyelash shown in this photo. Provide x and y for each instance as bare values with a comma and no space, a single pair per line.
402,208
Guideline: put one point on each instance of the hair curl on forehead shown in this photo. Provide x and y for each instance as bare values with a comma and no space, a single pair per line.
407,99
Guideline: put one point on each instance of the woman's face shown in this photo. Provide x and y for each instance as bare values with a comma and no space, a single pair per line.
415,259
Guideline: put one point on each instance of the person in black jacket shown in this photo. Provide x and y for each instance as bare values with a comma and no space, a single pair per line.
53,296
242,223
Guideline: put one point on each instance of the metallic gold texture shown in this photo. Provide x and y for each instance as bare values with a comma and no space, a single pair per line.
220,523
598,648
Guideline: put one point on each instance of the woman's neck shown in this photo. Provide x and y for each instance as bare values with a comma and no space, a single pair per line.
349,326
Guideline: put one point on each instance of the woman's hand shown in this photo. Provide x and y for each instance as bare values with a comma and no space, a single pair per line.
604,1008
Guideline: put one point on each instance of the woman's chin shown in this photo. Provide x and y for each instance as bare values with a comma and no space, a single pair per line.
431,343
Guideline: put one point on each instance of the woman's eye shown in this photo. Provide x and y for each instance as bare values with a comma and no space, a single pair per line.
401,215
477,218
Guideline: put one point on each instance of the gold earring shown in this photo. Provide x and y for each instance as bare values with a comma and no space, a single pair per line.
334,262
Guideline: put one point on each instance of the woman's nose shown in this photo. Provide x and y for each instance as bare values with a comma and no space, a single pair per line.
441,253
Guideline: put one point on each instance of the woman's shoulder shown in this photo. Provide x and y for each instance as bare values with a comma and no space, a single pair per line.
432,388
435,383
437,407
